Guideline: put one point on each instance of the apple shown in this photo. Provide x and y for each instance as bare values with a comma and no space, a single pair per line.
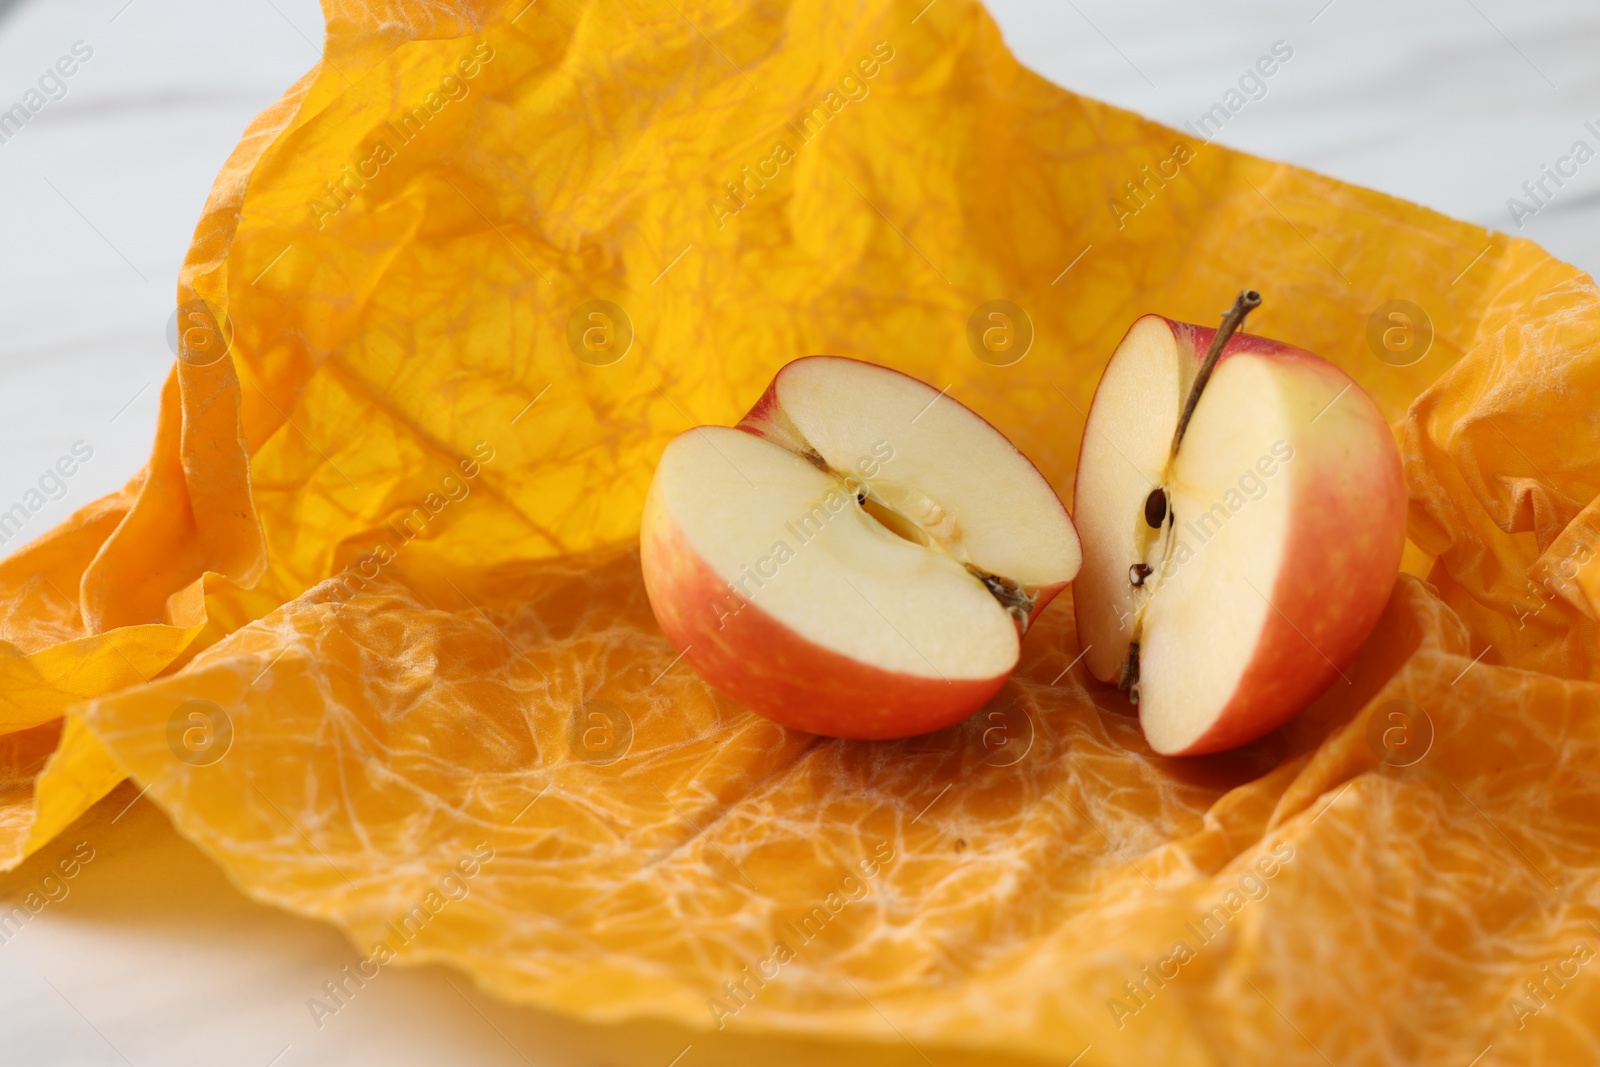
859,557
1243,514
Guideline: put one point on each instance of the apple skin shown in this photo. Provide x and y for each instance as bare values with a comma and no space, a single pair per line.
766,419
767,667
1345,541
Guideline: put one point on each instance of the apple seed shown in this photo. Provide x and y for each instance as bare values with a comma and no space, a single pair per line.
1155,508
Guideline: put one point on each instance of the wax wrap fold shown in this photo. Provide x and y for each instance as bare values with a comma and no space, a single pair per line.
390,537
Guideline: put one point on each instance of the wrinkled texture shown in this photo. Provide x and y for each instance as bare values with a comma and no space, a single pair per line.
392,720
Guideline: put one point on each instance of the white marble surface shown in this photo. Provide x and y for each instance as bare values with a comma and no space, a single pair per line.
152,958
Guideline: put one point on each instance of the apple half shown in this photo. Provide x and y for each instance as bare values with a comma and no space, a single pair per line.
1231,575
858,558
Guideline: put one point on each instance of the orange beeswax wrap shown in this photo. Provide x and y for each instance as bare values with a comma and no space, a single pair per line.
370,626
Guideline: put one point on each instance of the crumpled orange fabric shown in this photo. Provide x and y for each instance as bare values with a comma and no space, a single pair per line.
388,540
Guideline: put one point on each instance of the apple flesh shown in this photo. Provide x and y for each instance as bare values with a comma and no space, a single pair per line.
1227,583
858,558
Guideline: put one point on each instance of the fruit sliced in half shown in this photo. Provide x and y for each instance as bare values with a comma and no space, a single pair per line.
859,558
1227,580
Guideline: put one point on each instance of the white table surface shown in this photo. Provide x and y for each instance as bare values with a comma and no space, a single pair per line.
153,958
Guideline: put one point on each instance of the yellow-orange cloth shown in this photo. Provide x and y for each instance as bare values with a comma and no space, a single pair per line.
389,539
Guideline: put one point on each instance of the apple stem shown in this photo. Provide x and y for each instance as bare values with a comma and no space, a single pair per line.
1246,302
1017,601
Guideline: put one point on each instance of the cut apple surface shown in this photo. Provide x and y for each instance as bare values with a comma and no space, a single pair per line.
859,558
1228,580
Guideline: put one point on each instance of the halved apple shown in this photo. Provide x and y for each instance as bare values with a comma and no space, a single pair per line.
1229,576
858,558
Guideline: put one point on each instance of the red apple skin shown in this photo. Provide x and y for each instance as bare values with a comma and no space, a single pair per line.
751,657
1343,551
766,419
